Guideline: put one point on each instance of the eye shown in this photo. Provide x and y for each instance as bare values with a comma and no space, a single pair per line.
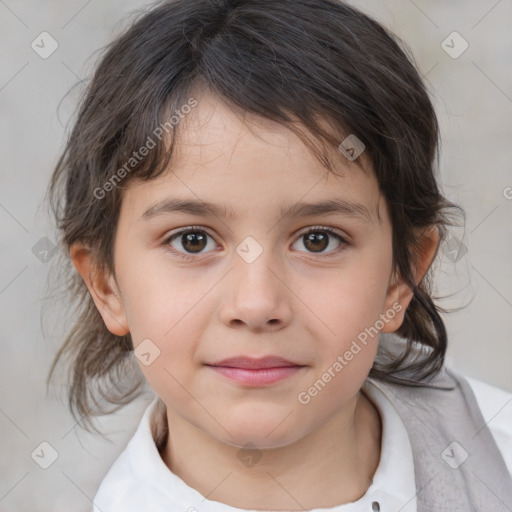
193,240
318,238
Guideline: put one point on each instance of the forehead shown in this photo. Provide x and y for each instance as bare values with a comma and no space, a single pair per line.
214,125
247,162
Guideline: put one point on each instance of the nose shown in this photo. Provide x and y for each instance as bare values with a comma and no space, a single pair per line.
255,294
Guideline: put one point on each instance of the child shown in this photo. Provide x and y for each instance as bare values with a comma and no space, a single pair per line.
287,376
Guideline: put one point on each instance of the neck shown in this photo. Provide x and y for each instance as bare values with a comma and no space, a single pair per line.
342,456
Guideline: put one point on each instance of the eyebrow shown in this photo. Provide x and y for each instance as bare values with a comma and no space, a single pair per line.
202,208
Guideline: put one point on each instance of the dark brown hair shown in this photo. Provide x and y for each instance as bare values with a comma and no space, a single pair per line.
297,62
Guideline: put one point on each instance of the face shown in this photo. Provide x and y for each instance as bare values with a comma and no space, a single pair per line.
198,287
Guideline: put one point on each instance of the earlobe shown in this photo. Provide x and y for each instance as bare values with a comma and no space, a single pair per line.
103,290
399,293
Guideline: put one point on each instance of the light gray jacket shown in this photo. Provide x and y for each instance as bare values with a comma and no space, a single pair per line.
458,465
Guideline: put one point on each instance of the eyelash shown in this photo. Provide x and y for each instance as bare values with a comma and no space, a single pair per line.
194,229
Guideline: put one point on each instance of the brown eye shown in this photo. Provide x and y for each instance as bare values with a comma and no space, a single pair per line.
194,242
189,242
317,240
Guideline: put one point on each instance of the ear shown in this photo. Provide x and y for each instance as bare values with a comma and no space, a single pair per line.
399,294
103,289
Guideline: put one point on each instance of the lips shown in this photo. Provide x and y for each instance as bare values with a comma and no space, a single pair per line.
256,372
251,363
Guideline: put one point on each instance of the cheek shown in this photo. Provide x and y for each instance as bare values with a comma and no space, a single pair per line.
351,295
166,317
159,297
345,308
174,363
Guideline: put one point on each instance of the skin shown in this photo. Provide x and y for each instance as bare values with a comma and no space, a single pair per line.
291,301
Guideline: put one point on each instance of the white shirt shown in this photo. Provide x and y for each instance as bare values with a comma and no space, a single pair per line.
139,480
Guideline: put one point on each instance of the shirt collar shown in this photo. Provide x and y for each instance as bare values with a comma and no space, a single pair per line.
148,483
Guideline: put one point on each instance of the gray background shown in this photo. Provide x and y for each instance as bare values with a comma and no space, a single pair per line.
473,97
